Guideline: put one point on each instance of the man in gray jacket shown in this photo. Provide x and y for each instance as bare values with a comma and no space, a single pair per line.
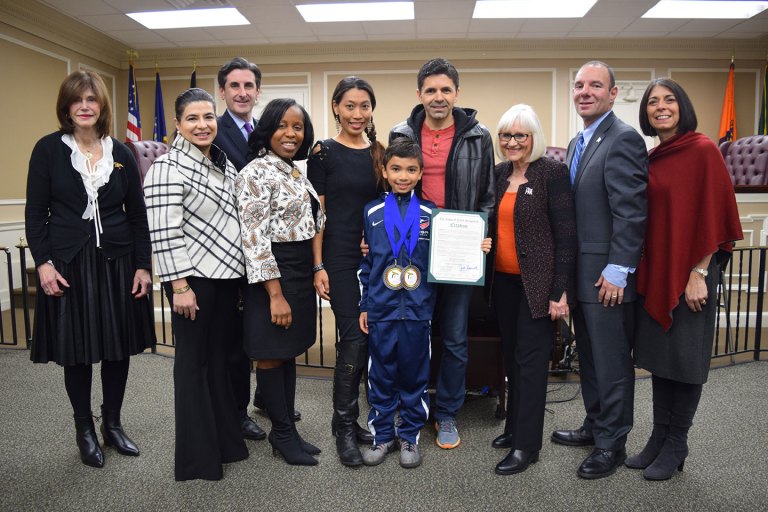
609,173
458,175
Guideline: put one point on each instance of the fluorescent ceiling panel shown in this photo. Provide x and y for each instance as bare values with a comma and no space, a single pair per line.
708,9
190,18
532,8
370,11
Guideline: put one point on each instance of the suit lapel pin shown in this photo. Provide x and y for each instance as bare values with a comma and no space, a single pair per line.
528,191
598,140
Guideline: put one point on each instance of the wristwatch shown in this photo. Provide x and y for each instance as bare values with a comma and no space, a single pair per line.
704,272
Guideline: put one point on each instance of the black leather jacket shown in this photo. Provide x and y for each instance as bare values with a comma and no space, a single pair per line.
469,170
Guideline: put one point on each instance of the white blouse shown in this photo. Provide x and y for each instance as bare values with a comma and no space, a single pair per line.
94,175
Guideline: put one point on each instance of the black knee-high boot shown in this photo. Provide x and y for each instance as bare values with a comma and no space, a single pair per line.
289,381
114,376
281,437
685,402
662,412
77,381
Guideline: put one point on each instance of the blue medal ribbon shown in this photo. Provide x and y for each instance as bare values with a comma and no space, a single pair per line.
407,227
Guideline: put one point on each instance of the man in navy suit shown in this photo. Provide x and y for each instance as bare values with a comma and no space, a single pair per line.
239,86
609,172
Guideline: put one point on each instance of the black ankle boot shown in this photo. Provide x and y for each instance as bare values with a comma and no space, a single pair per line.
282,437
672,455
663,391
114,435
651,450
87,442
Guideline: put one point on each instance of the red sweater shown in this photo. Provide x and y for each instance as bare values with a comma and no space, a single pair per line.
691,213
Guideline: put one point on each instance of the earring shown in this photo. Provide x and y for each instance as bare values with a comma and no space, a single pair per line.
369,127
338,124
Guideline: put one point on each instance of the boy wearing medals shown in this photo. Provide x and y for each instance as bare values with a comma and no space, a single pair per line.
396,306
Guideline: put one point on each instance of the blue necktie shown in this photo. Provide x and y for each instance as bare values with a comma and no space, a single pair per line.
248,129
576,157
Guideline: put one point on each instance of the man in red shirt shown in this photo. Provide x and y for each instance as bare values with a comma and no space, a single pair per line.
458,175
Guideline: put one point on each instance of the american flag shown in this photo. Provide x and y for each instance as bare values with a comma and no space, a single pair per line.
133,132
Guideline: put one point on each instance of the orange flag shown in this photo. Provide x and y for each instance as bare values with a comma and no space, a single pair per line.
728,117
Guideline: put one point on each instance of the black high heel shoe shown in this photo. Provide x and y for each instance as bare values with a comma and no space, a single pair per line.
651,450
306,446
87,442
291,451
114,435
672,456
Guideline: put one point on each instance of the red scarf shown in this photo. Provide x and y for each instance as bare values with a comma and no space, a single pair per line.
691,213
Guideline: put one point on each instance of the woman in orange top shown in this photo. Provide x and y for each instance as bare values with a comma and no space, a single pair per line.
532,275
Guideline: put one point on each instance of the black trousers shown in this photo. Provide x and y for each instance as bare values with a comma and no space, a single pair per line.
207,423
240,366
607,374
527,343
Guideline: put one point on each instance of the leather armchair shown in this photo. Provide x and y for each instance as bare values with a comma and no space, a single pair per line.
145,152
747,160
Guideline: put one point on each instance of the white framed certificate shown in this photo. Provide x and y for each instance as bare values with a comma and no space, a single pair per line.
455,255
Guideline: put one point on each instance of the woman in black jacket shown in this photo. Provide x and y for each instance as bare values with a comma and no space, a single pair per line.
532,275
86,224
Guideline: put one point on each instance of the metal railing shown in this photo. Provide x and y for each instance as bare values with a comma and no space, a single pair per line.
738,329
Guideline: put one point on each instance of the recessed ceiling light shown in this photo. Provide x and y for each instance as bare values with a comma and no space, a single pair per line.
709,9
532,8
190,18
369,11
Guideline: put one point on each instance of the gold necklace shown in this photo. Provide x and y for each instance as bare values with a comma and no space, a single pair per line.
296,173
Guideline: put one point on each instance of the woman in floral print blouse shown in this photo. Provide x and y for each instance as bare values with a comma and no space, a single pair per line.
279,216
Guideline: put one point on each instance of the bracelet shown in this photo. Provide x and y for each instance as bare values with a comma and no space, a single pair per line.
318,267
183,289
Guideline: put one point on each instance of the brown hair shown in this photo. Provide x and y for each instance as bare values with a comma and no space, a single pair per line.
70,91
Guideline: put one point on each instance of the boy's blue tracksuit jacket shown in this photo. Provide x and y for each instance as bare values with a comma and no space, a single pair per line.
381,303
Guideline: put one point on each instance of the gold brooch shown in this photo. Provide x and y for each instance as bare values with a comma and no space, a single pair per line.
118,165
295,173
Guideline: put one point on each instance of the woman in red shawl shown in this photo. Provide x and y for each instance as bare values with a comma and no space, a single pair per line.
692,222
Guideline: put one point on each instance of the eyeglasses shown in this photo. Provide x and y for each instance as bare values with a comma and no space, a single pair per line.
519,137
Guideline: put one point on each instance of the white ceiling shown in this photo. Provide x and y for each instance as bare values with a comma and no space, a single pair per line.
275,22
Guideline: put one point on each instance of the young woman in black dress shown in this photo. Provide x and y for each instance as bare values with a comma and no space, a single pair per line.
343,171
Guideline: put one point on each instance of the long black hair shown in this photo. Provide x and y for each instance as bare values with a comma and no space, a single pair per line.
354,82
269,122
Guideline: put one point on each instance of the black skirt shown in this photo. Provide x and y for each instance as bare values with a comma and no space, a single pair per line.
684,352
262,338
97,318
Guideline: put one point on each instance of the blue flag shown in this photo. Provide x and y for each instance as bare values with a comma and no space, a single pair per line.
158,132
762,128
133,132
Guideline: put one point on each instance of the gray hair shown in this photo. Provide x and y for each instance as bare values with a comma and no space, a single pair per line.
527,119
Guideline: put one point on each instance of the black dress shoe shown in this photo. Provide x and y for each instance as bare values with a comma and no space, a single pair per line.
601,463
573,437
504,441
516,461
251,430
